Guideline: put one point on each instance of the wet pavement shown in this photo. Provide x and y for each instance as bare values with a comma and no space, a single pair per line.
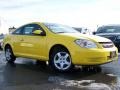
26,75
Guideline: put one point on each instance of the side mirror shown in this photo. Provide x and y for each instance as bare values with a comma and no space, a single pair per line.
94,33
39,32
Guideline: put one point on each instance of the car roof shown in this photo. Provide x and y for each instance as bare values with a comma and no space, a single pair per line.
110,25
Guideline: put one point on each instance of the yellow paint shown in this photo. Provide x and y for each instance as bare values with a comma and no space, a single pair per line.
37,32
38,47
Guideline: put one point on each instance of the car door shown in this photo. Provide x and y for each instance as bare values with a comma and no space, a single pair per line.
16,38
33,45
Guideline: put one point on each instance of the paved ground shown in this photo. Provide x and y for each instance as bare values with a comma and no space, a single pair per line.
26,75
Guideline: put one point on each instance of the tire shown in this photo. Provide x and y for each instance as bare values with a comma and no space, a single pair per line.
9,54
60,60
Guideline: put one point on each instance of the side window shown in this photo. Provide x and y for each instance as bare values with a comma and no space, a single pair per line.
31,27
28,30
36,27
18,31
110,30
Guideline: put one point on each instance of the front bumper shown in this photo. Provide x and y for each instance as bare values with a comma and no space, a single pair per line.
94,56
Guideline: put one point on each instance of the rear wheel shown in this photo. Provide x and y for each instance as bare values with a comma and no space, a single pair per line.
60,60
9,54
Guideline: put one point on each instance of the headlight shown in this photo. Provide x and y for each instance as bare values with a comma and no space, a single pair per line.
85,43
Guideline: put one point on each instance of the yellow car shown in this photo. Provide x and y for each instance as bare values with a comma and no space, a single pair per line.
62,46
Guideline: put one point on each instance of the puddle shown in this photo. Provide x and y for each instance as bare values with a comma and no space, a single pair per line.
77,83
98,86
1,78
83,84
56,79
112,75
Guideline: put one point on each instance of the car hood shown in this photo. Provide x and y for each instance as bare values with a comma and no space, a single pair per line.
108,34
84,36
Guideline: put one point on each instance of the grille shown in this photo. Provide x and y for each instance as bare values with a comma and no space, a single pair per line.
106,44
113,38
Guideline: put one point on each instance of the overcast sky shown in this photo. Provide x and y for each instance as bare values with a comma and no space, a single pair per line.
87,13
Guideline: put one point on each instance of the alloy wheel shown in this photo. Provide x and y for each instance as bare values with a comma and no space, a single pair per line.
62,60
8,54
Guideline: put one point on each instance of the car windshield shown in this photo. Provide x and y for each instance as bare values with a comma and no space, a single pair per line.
110,29
57,28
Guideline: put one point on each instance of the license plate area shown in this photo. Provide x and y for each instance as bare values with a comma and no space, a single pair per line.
112,54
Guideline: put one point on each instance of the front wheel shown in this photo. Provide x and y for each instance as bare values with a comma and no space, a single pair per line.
60,60
9,54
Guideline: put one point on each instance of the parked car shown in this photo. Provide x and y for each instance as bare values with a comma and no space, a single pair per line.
1,40
111,32
62,46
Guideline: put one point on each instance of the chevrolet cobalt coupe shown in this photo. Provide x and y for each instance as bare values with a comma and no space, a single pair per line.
62,46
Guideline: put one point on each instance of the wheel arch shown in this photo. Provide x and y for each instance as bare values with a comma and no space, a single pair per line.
11,58
7,45
51,61
57,46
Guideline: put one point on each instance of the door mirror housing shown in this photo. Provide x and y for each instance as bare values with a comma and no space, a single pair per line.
94,33
39,32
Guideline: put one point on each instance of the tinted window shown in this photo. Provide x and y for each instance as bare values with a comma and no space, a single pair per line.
27,29
18,31
30,28
36,27
109,29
